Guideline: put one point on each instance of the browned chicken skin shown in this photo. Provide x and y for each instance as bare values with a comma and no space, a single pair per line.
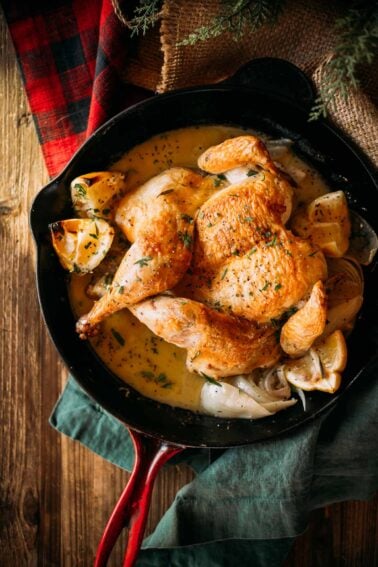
244,264
158,219
245,261
218,345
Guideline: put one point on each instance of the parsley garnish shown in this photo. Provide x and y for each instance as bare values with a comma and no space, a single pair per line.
166,192
224,274
252,251
251,173
118,337
235,252
210,379
187,218
121,289
143,261
249,219
267,284
80,189
277,287
185,238
272,242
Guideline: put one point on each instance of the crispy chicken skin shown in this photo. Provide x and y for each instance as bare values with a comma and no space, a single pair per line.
218,345
158,219
245,261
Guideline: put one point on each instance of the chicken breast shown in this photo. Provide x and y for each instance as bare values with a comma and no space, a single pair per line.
245,262
218,345
158,219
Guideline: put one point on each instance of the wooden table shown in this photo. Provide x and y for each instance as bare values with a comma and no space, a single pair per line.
55,495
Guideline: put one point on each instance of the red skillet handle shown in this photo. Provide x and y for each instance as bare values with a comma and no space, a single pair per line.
133,505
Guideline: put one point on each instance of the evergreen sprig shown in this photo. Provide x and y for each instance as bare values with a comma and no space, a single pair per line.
357,32
145,15
357,43
238,17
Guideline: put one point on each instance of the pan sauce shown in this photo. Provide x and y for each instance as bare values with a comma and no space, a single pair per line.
146,362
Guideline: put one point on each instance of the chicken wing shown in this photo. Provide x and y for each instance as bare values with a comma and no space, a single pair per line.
218,345
158,219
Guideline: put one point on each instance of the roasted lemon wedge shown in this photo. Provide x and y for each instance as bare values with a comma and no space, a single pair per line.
81,244
326,223
320,369
95,195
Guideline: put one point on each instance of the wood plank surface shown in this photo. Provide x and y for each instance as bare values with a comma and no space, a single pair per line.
55,496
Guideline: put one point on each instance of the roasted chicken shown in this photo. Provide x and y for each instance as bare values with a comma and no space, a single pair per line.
158,219
218,345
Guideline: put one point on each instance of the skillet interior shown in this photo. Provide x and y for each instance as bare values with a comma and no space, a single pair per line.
317,143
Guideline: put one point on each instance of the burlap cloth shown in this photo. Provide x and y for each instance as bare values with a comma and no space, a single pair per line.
304,34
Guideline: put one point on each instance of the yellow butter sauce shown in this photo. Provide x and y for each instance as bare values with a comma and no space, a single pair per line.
143,360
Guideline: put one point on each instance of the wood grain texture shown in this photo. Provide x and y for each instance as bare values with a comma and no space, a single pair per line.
55,495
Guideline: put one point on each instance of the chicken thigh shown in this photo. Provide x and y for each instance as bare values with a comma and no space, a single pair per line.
158,219
218,345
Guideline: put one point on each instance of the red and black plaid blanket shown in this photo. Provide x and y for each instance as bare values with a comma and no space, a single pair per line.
72,56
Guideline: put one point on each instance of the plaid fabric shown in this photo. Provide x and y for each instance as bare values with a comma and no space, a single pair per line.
72,55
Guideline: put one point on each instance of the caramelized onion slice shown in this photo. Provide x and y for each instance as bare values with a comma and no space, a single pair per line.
345,286
363,243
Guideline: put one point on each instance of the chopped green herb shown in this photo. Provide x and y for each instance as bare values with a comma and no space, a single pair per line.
224,274
88,245
252,251
287,252
166,192
277,287
201,215
272,242
161,378
96,229
187,218
121,289
248,219
267,284
186,239
251,173
210,224
222,176
235,252
118,337
313,253
80,189
147,374
210,379
76,269
217,182
143,261
95,236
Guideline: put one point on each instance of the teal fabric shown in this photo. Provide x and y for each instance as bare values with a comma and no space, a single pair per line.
246,504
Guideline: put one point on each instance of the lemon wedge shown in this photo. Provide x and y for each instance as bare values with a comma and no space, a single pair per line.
95,195
81,244
320,369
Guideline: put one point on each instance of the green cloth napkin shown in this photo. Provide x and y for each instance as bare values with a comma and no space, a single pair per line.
246,504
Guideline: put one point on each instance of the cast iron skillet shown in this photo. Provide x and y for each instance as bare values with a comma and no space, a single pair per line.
268,95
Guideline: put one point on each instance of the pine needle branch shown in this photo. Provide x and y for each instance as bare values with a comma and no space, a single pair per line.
238,17
146,14
357,31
